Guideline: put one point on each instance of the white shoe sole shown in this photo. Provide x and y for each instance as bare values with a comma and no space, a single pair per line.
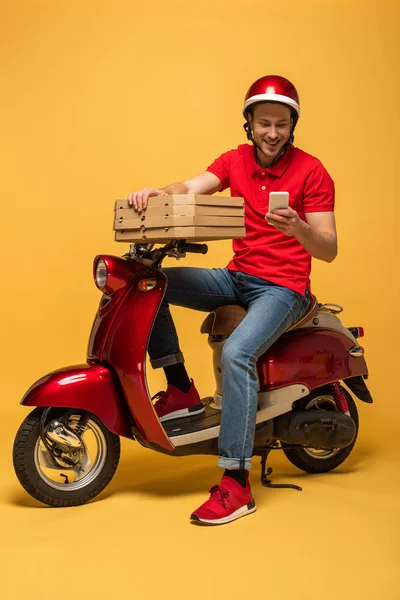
185,412
240,512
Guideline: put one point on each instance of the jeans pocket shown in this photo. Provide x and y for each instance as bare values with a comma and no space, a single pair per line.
301,305
305,302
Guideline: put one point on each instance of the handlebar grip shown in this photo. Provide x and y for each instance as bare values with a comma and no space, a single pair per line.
197,248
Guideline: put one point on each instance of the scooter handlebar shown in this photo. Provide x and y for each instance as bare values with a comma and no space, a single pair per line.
196,248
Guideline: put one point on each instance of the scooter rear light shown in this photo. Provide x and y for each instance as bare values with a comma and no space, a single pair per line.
145,285
357,331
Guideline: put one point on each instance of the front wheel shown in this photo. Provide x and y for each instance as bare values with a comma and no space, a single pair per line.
64,457
313,460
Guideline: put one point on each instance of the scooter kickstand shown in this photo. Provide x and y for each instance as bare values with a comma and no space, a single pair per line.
267,482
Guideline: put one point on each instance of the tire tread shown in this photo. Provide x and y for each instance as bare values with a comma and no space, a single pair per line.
30,480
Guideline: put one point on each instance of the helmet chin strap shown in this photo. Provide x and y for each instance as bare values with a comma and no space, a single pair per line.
249,135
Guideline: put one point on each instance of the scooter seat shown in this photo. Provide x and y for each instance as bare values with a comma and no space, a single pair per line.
225,319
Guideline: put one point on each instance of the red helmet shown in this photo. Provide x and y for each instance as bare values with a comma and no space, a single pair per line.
272,88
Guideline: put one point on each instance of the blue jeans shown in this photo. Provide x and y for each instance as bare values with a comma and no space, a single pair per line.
271,309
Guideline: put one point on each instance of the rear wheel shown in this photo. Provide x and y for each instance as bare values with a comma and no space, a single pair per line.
61,475
313,460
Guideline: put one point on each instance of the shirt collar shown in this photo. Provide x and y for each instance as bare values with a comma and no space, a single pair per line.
277,169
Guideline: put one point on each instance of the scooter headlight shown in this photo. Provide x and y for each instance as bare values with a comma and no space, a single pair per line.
111,273
101,274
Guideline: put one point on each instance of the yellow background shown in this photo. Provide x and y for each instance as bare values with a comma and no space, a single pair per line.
100,98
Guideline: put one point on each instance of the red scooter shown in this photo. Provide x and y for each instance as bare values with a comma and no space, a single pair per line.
67,449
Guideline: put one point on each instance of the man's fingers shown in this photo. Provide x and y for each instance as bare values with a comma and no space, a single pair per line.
284,212
139,200
276,218
144,201
279,223
133,200
143,198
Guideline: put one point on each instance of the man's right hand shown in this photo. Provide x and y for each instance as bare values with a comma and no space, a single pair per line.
139,200
205,183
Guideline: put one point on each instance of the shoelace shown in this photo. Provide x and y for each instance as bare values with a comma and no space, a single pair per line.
221,493
161,398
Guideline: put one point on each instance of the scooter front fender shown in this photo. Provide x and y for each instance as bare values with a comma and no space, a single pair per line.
89,387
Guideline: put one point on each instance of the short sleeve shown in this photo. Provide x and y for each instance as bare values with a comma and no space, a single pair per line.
319,191
220,168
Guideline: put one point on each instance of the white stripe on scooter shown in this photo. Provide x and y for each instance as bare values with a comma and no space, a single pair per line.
177,414
272,404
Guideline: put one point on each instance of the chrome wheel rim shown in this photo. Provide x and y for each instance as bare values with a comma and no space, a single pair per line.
70,479
322,403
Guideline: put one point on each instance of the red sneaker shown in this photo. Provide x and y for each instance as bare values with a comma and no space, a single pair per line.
228,501
174,404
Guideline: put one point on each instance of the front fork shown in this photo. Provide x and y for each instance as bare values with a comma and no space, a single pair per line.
62,442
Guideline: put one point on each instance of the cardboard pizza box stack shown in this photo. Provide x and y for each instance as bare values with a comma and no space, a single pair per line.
192,217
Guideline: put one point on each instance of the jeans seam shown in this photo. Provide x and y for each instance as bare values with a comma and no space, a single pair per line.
246,425
190,293
247,390
174,335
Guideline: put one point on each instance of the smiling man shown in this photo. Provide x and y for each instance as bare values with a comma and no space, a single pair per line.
268,274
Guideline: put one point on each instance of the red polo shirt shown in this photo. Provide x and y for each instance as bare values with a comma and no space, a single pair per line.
266,252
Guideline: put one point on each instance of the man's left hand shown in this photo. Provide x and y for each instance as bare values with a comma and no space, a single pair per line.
285,220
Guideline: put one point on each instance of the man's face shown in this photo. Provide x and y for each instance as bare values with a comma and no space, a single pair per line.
271,124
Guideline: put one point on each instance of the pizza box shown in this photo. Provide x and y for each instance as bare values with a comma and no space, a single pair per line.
180,209
145,222
180,216
198,199
164,234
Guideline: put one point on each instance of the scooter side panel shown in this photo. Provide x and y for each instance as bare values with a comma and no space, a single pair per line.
89,387
109,306
125,348
313,358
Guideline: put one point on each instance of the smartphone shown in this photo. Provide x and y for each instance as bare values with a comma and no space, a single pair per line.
278,200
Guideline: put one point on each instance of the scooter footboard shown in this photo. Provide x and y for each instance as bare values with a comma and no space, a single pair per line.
89,387
310,428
